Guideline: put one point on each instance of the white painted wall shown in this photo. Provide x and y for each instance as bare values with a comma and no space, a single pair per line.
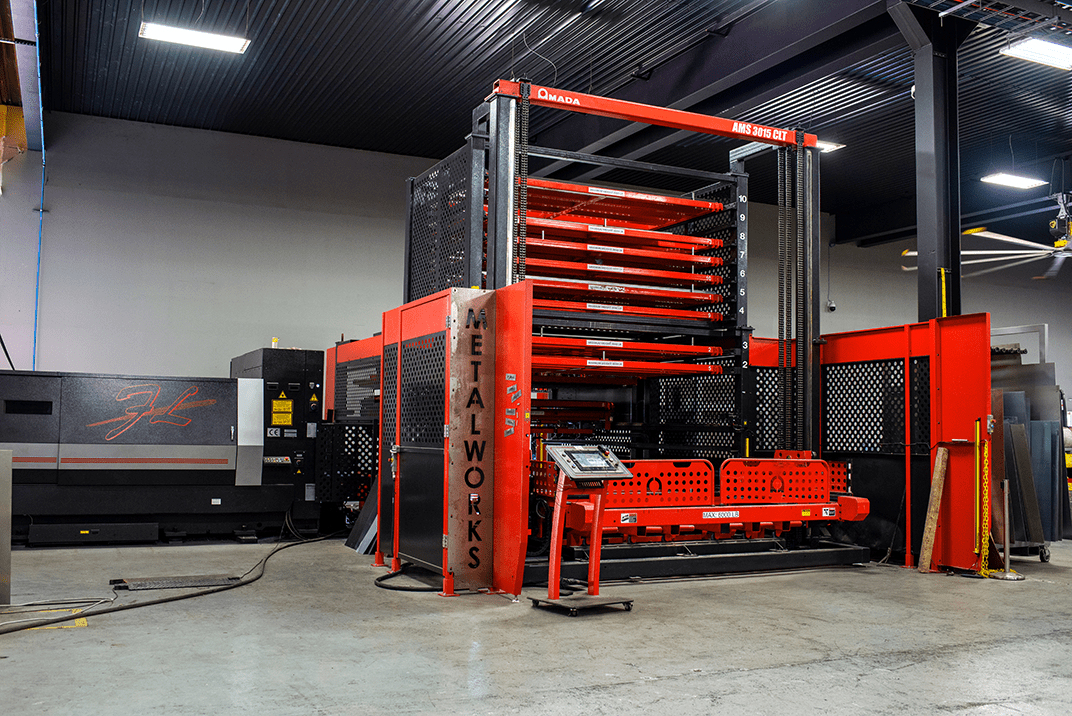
170,250
870,290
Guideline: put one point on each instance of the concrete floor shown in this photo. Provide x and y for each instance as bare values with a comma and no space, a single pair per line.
315,636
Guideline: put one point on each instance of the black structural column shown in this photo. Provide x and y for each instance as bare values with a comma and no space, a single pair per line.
934,42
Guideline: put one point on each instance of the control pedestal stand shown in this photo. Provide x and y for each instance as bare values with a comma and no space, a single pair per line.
582,475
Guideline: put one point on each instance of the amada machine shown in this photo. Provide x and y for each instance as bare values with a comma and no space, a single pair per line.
543,313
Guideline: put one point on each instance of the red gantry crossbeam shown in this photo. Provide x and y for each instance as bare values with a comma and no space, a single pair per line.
647,114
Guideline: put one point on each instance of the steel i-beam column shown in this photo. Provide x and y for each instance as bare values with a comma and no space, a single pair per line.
934,42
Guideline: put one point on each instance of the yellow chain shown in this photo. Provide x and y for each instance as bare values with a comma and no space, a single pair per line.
984,548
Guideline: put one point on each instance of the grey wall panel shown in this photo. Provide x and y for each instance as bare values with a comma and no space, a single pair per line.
168,251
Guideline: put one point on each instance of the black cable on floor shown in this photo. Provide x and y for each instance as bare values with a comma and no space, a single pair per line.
173,598
381,582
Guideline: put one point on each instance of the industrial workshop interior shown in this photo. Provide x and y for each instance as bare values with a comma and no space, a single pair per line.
535,357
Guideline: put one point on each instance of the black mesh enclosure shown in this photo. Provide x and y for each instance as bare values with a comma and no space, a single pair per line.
863,407
769,420
720,225
346,460
921,405
695,416
424,390
390,401
357,385
437,227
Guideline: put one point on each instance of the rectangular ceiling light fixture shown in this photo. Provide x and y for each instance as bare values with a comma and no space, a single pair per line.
182,36
1012,180
1041,51
827,147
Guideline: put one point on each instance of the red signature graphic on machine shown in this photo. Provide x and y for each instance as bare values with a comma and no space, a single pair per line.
147,408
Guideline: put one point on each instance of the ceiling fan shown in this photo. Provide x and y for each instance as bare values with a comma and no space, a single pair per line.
1029,251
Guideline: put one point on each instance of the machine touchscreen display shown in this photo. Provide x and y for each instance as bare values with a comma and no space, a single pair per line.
590,460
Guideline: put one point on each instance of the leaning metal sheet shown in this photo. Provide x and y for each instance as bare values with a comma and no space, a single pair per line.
471,435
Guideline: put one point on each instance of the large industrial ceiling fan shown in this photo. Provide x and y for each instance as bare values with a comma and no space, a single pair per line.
1027,251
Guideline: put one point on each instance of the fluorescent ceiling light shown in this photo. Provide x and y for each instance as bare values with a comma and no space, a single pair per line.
182,36
1016,182
827,147
1041,51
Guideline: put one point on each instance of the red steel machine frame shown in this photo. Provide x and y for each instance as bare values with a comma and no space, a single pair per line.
587,288
957,353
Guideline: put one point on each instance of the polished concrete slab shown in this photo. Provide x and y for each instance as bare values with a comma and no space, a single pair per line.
315,636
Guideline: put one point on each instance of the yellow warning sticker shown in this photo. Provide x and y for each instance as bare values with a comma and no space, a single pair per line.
282,419
314,399
805,513
282,395
283,406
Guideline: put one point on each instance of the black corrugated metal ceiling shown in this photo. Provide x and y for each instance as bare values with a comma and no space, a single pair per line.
404,76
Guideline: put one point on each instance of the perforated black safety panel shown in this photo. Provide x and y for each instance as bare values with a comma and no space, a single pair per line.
769,421
346,459
863,407
424,374
701,399
357,384
437,227
692,442
718,225
390,402
921,405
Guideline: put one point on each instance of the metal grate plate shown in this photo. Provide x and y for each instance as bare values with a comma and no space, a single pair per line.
437,233
424,390
201,580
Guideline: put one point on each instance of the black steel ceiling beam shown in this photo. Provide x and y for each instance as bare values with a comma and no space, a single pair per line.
935,41
774,50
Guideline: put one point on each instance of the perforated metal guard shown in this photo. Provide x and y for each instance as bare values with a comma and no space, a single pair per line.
695,443
424,390
437,233
719,225
357,384
346,461
864,407
839,476
749,481
663,484
698,400
768,409
390,406
921,405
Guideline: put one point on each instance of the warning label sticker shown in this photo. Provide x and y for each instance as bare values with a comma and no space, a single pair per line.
604,363
601,267
604,191
829,512
606,229
602,307
721,514
282,419
604,344
282,406
606,249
